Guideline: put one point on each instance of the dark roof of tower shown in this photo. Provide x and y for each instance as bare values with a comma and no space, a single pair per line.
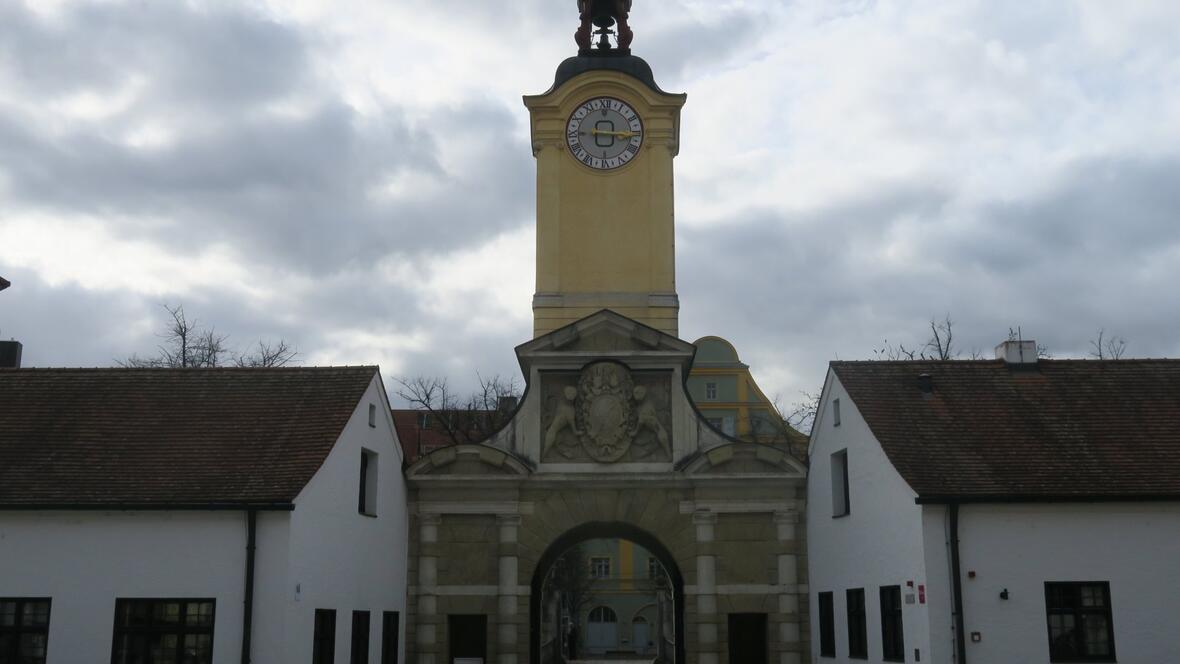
180,438
632,65
1060,430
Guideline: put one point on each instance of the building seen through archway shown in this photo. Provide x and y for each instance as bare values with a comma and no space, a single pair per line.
607,597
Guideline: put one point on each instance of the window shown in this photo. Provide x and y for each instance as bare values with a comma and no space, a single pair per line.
836,413
24,630
600,568
1080,625
654,570
727,425
373,415
840,502
892,636
367,500
323,644
858,641
390,627
163,631
711,391
827,626
603,614
360,637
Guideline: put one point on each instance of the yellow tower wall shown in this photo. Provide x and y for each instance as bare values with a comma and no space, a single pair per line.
605,239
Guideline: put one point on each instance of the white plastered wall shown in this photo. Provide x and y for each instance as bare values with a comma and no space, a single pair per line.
339,558
880,543
1133,546
85,560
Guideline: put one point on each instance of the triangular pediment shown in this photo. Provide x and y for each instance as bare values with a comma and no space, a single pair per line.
606,331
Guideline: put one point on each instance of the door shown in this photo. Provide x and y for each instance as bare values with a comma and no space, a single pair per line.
469,639
747,638
641,636
602,630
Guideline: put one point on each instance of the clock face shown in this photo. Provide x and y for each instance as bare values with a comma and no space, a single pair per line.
604,133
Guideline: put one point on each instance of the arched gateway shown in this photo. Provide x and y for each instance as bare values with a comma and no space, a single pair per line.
606,444
722,517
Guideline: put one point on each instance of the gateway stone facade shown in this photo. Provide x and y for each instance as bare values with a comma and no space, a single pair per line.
722,516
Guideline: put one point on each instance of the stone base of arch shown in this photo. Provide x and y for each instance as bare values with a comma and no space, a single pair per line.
738,549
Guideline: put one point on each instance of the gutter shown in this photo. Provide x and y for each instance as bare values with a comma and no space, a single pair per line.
945,499
248,609
957,587
149,507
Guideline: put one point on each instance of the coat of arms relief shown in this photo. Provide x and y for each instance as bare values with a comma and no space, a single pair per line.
606,413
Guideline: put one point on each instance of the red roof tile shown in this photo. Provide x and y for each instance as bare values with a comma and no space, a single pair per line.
169,437
1067,429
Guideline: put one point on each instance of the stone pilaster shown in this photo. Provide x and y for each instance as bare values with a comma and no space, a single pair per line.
706,588
507,630
427,614
788,575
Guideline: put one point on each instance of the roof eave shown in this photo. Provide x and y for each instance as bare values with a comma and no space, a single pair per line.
947,499
149,507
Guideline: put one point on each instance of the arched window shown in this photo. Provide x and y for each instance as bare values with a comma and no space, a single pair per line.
603,614
639,620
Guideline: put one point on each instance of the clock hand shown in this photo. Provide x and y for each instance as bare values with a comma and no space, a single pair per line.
617,134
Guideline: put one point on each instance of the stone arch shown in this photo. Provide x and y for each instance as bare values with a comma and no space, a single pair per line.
605,529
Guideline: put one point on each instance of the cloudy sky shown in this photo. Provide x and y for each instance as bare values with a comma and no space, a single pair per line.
355,177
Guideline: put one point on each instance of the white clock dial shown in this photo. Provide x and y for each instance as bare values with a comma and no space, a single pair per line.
604,133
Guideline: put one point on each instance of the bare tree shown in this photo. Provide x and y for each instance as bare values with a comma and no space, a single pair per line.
1104,348
267,355
571,577
465,419
186,345
940,345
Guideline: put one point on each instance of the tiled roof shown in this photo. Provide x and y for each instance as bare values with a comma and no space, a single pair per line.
1066,429
418,440
169,437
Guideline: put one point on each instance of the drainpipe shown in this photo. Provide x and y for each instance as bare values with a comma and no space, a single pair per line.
248,609
957,587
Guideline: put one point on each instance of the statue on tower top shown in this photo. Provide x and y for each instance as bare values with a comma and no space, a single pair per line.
603,14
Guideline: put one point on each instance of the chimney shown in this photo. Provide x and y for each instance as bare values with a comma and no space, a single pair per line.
507,403
926,383
10,354
1018,352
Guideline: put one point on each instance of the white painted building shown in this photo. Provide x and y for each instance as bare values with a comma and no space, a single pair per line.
996,512
126,503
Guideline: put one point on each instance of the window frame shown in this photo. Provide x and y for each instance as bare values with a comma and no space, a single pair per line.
891,617
359,648
835,412
181,628
367,487
711,390
827,624
858,641
842,480
596,559
1078,612
18,629
323,638
391,625
373,415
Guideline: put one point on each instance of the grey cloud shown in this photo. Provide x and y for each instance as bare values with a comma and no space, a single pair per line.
211,56
1060,266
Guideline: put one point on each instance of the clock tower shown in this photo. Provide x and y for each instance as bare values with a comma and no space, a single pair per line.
604,137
